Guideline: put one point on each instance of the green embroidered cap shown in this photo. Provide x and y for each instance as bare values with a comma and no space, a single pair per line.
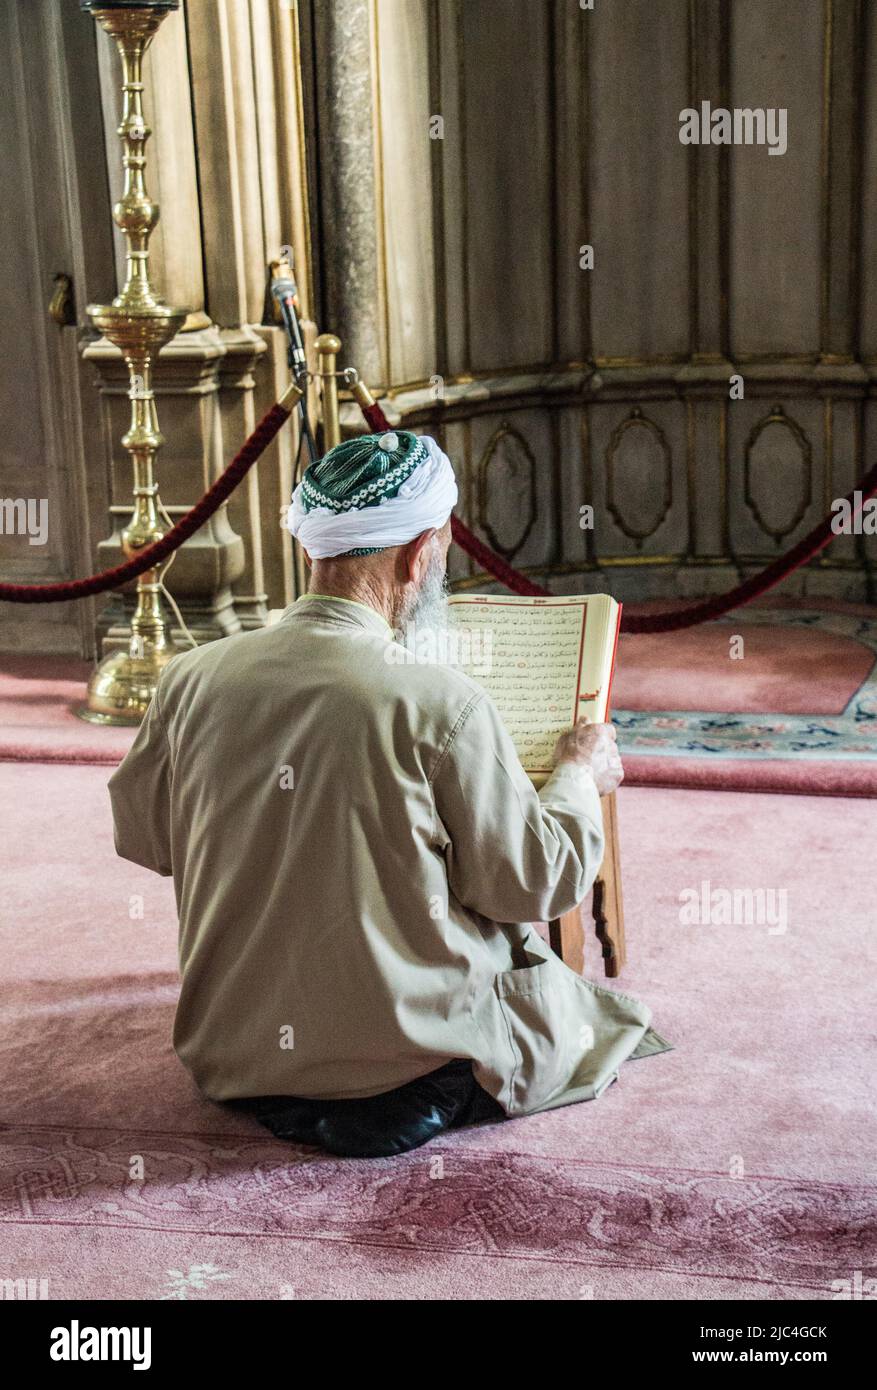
362,472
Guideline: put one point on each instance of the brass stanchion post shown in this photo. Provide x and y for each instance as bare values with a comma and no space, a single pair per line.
139,323
328,348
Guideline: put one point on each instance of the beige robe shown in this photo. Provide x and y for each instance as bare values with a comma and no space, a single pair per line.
356,854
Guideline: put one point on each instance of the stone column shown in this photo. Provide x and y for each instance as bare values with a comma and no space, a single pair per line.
355,295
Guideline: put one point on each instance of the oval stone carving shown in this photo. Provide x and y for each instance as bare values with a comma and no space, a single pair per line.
639,477
778,468
507,490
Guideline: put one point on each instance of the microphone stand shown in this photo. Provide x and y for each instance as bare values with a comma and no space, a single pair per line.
295,356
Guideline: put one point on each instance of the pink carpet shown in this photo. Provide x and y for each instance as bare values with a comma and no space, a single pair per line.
786,671
738,1166
780,696
38,723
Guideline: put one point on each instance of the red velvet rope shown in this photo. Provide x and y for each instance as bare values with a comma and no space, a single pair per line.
185,527
691,614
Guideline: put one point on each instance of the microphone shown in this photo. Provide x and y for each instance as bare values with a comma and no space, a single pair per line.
284,292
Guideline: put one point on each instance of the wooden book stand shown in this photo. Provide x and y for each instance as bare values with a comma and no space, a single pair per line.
567,934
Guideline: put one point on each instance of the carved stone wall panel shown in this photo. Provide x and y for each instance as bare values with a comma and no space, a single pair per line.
512,483
776,201
638,469
507,490
638,460
776,472
638,75
778,480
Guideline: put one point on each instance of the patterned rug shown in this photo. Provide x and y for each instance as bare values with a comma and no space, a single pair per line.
586,1220
739,1165
797,712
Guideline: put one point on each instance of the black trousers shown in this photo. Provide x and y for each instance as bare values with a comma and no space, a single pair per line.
380,1126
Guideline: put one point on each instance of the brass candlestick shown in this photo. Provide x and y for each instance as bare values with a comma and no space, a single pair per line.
139,323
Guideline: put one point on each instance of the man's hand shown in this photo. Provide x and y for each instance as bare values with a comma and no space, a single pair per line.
592,746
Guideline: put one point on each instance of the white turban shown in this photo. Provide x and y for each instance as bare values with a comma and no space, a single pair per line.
366,507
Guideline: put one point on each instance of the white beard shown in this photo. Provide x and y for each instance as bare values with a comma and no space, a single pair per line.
426,611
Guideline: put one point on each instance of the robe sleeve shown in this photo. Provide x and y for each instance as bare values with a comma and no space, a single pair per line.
140,797
511,854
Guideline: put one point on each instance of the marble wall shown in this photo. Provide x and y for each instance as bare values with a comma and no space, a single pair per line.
54,218
439,167
555,385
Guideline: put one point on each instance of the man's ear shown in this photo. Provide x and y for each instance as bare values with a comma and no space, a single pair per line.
416,555
308,561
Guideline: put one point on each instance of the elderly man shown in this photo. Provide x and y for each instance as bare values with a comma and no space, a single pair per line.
357,853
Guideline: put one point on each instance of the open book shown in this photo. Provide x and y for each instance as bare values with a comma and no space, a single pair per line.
546,662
